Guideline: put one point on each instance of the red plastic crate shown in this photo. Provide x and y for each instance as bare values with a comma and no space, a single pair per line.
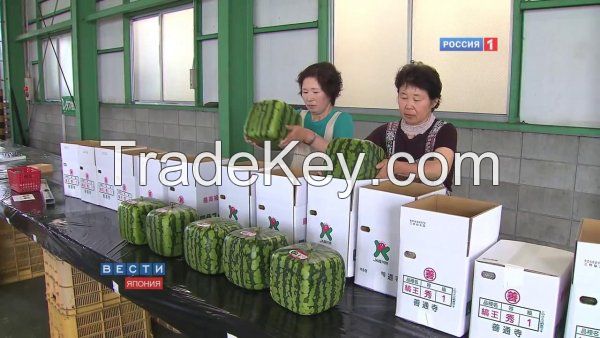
24,179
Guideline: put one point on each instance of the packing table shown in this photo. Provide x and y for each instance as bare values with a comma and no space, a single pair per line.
86,235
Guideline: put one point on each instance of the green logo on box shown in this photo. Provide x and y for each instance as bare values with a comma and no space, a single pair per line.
326,230
381,249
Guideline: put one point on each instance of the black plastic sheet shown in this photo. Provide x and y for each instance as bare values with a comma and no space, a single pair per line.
199,305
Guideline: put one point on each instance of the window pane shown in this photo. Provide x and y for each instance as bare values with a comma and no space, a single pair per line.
51,88
209,16
146,59
178,55
278,58
104,4
210,67
281,12
31,50
368,72
30,6
56,19
473,81
110,33
66,62
561,71
49,5
111,78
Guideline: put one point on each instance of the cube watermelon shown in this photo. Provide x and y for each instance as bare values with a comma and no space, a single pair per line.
307,278
350,149
164,228
203,243
247,254
267,121
132,218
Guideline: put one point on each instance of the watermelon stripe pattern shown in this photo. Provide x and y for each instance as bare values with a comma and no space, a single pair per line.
247,256
132,218
307,278
267,121
351,149
203,243
164,228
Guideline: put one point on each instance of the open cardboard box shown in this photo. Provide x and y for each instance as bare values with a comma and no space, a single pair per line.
440,238
378,237
332,221
130,173
520,288
583,319
105,174
71,168
282,205
205,199
236,202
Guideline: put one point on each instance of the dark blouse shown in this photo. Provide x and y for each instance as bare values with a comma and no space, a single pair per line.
446,137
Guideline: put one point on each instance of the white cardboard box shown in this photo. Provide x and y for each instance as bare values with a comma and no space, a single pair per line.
235,202
205,199
69,153
87,173
583,319
130,162
333,221
153,188
105,176
520,289
441,236
282,206
378,237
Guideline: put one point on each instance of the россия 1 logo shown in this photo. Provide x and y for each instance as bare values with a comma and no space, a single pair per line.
140,276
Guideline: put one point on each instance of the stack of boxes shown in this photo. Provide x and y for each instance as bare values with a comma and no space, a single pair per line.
583,318
78,306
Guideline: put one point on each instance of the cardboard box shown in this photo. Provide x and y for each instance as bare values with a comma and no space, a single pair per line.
87,172
235,202
153,188
204,199
282,206
333,221
69,153
583,319
441,236
106,191
378,237
520,289
130,163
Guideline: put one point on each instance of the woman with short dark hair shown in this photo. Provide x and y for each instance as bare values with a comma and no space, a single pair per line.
320,86
418,132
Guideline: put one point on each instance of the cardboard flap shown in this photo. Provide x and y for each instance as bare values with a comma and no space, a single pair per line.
589,231
531,257
87,143
452,205
413,190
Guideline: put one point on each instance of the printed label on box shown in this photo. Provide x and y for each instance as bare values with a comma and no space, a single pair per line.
87,185
123,195
106,189
433,292
584,332
71,180
513,315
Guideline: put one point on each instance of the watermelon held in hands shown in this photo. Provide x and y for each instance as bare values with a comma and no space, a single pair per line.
132,218
351,149
203,243
247,256
307,278
164,228
267,122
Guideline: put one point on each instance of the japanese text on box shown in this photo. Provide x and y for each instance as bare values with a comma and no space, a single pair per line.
426,290
509,314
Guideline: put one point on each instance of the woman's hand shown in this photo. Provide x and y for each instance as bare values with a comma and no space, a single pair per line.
382,166
296,133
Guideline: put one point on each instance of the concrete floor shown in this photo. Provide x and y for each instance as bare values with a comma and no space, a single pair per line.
24,312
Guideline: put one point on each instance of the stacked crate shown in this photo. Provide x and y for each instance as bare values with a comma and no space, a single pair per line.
79,306
20,258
